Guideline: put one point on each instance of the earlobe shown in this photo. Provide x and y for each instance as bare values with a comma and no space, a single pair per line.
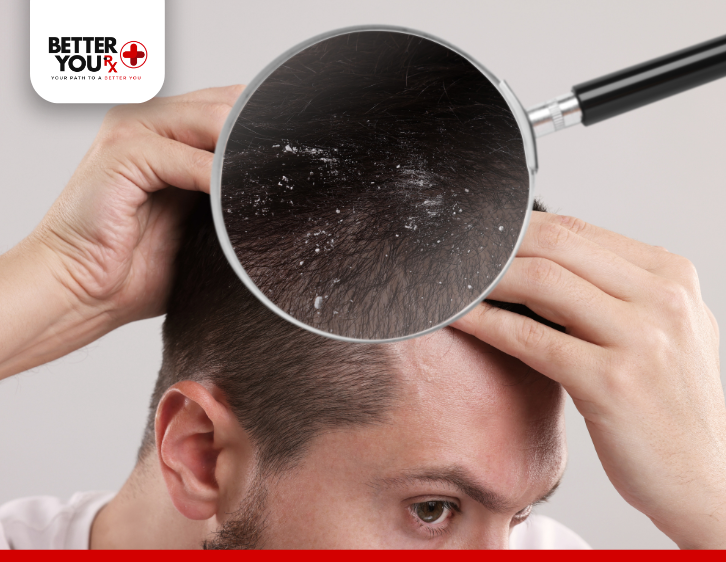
192,430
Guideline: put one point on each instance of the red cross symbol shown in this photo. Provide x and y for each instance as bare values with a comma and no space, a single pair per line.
131,56
133,53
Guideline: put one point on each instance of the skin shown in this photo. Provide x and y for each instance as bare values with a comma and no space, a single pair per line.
474,413
482,415
640,360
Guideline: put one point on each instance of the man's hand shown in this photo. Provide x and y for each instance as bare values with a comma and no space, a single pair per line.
102,256
640,360
115,231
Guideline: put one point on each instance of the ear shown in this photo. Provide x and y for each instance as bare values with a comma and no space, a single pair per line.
202,449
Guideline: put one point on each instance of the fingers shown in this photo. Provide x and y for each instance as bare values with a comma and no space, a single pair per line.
225,94
196,124
563,297
193,122
559,356
654,259
163,162
169,139
645,256
195,118
613,274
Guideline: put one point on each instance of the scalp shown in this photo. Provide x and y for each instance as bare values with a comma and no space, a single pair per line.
390,182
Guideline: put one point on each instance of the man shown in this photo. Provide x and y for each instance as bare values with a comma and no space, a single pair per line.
441,441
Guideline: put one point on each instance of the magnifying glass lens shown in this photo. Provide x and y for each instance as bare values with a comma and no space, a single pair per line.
374,185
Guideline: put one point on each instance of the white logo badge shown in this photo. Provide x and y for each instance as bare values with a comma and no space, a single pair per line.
86,51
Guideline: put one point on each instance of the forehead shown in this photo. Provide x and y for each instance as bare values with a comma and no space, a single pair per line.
467,404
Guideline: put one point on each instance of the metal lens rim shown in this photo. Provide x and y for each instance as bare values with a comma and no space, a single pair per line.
216,181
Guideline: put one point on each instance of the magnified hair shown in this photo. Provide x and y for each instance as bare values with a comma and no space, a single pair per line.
374,185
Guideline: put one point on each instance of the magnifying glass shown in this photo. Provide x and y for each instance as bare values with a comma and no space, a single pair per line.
374,183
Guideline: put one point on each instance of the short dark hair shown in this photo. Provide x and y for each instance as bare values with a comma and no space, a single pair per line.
369,174
285,384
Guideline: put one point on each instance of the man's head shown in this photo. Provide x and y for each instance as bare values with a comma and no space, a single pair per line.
473,441
282,438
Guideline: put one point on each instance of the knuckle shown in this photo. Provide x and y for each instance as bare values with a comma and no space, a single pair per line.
673,297
553,236
543,272
114,116
619,379
652,334
114,112
686,269
573,224
531,333
628,374
117,131
200,159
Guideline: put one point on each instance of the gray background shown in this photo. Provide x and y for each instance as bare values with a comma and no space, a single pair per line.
656,175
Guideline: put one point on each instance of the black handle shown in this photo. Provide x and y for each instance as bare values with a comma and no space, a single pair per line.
651,81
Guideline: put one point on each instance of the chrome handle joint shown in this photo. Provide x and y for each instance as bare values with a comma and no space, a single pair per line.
555,115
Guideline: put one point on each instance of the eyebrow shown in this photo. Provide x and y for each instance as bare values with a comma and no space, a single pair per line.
460,479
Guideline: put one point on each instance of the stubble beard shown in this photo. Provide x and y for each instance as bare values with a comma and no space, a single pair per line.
245,529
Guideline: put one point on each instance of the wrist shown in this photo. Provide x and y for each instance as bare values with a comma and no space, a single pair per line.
709,534
43,318
698,520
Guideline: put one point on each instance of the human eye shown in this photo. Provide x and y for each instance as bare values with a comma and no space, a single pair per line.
433,515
